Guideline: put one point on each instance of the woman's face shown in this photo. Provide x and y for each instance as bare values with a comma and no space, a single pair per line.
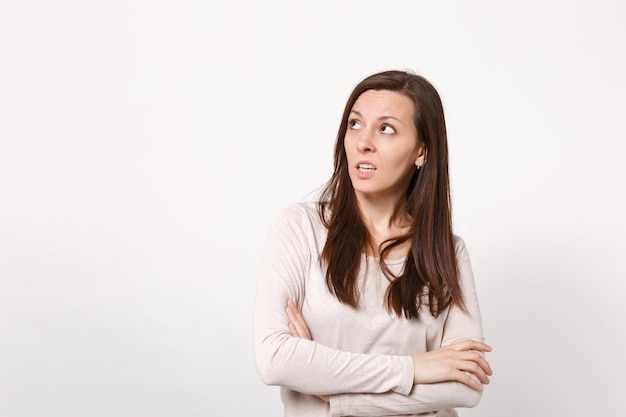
381,145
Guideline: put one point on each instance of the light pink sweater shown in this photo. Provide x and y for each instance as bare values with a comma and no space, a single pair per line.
360,357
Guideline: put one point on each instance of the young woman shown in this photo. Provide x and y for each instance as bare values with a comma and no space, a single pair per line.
366,304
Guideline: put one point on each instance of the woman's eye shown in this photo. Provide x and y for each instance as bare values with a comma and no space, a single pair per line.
354,124
388,130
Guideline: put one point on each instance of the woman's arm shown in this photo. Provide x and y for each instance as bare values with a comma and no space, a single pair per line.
435,372
428,394
457,362
304,365
461,361
424,398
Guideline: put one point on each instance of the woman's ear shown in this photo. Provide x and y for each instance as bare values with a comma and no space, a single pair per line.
421,157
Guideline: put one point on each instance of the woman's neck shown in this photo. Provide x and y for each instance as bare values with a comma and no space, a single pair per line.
385,220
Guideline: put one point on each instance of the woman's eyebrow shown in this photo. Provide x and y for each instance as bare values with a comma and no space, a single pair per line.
390,117
384,117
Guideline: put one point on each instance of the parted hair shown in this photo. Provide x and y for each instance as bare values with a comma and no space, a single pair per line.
430,274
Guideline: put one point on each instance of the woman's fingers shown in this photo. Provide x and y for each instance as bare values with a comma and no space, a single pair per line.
297,325
470,345
474,363
475,368
293,321
482,362
291,316
465,378
478,362
293,330
472,352
462,361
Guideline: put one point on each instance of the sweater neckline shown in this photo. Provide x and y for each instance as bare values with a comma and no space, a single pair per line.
396,261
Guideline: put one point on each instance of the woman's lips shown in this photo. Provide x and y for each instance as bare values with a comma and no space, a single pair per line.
365,170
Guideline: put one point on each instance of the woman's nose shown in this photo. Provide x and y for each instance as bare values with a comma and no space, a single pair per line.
365,143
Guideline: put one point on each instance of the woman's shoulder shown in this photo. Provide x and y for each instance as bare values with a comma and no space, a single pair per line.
460,249
300,210
301,215
459,243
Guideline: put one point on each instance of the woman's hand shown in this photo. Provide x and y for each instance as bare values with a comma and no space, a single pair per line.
454,362
297,325
299,328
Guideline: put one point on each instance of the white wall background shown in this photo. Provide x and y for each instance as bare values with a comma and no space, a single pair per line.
146,146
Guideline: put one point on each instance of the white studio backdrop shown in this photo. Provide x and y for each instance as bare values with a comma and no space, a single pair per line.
145,147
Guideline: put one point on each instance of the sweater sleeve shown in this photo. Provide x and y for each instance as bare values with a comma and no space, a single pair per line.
303,365
425,398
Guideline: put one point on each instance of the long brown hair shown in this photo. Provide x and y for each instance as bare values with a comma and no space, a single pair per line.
430,266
